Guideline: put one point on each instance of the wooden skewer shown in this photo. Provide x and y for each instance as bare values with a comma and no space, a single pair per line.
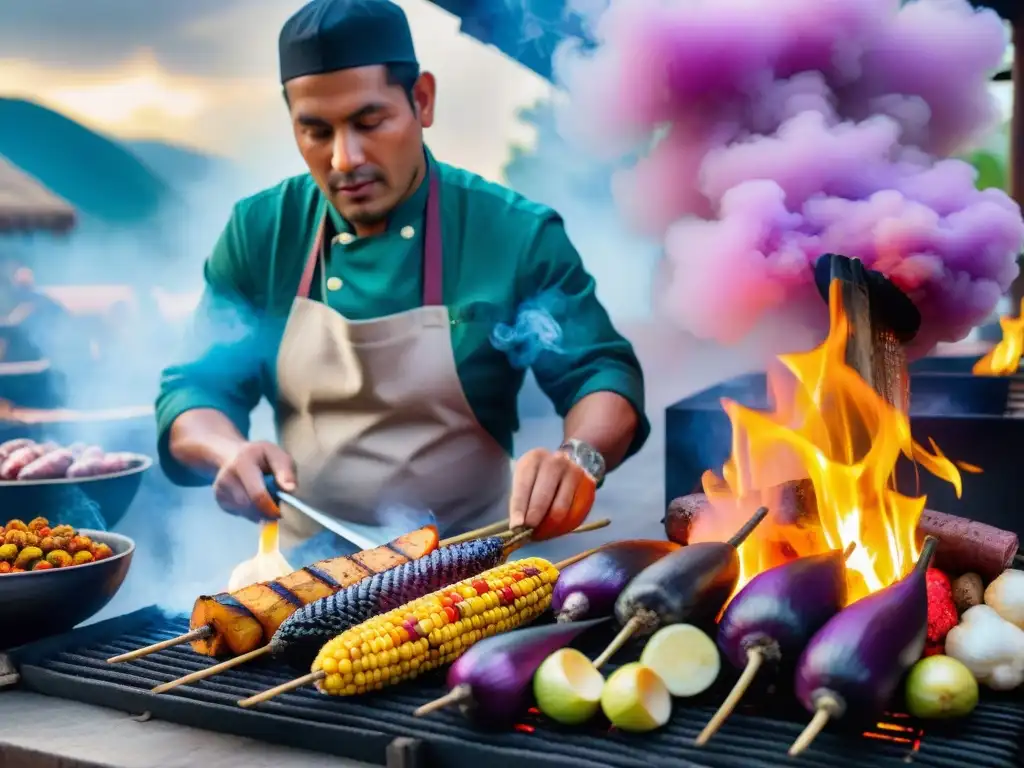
827,707
196,634
516,539
576,558
291,685
480,533
216,669
596,525
456,695
522,535
620,640
755,658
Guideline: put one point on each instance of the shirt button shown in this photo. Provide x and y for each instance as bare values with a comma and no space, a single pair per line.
334,284
344,238
407,233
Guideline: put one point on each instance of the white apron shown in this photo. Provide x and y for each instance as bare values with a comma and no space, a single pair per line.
373,411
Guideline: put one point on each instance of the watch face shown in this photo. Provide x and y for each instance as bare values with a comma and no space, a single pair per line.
588,458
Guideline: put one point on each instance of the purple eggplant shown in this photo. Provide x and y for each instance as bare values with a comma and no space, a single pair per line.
853,664
591,586
691,584
773,618
491,683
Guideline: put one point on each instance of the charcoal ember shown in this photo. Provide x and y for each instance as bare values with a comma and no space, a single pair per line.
681,514
793,503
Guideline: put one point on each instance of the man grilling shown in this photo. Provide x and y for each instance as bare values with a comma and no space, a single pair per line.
388,271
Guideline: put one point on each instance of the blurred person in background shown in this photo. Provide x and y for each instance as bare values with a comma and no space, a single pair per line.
46,324
38,329
360,298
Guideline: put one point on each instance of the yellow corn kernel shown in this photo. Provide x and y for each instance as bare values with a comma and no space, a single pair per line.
436,629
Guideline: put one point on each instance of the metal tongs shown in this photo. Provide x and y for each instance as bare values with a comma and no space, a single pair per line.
269,563
360,536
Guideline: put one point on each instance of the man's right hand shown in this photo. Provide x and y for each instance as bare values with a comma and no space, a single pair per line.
239,486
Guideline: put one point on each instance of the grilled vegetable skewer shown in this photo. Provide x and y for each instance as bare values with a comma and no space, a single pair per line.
774,616
589,588
853,665
492,682
241,623
306,630
691,584
303,633
428,632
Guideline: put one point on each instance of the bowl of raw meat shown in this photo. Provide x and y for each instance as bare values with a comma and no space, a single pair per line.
82,485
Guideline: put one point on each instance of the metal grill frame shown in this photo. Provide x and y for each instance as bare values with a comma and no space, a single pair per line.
73,666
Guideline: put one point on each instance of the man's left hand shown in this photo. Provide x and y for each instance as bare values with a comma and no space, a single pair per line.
550,493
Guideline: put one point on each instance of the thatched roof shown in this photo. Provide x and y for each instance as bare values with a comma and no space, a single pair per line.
28,206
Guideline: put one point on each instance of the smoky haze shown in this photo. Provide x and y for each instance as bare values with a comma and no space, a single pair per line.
767,139
697,207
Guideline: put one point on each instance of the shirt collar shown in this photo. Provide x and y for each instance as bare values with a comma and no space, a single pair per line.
409,211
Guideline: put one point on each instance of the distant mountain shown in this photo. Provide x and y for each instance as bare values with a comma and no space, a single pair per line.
99,177
179,166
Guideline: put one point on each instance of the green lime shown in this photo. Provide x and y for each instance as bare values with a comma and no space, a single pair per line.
940,687
568,687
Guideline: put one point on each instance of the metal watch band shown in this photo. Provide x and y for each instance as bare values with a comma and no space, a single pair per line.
585,456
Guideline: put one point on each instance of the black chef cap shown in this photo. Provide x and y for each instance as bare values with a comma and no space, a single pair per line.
330,35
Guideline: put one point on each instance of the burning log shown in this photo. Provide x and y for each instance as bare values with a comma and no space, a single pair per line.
824,455
964,545
882,319
792,504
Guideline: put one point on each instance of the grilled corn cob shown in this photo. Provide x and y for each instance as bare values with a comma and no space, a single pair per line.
434,630
305,631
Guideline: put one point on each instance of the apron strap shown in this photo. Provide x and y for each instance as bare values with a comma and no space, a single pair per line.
433,259
432,251
312,260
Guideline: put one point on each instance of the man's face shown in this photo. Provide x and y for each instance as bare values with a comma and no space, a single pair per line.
361,138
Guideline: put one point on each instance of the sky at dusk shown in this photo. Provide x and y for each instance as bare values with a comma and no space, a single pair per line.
204,73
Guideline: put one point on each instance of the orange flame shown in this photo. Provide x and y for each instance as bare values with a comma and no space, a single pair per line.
1004,358
268,537
830,426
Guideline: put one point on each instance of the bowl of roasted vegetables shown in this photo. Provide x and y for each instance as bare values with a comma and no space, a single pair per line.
49,478
54,577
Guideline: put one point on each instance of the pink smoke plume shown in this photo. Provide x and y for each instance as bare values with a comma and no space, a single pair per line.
771,133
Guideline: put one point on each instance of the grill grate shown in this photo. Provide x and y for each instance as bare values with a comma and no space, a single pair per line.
74,666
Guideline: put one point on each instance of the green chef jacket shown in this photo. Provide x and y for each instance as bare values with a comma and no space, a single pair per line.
499,251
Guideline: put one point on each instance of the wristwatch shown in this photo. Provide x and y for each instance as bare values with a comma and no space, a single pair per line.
586,457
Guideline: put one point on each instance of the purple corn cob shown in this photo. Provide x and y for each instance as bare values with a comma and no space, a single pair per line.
302,635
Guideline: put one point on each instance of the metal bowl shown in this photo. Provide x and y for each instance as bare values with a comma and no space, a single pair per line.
111,494
37,604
